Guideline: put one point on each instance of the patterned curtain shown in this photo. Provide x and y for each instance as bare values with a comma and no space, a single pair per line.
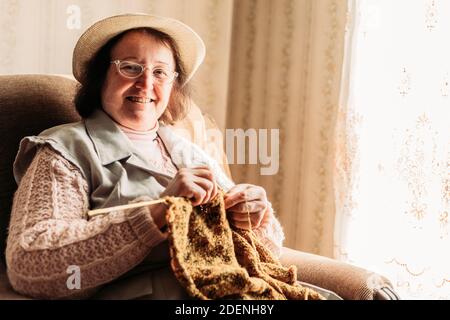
393,145
285,74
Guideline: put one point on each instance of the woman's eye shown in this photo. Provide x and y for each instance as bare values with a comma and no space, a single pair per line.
160,73
131,68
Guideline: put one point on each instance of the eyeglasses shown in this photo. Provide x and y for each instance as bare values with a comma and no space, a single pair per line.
134,70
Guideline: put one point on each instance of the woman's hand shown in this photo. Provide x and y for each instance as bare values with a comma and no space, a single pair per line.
243,200
197,184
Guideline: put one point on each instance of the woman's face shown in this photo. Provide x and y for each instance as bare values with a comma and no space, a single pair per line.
137,103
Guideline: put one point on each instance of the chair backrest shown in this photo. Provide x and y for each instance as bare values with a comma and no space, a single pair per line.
30,104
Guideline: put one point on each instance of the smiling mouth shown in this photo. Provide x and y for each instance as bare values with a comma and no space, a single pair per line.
140,99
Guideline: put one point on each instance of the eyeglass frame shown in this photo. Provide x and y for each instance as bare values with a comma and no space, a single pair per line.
117,62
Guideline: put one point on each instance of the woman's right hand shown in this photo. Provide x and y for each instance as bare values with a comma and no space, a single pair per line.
196,184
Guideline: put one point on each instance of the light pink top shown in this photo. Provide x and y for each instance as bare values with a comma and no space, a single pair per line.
150,145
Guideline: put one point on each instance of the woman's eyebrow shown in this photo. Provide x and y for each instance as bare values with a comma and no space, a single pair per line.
162,62
128,58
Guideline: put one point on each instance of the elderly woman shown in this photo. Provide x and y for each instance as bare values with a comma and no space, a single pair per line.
134,72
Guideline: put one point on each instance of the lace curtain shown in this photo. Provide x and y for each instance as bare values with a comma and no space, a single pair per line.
393,145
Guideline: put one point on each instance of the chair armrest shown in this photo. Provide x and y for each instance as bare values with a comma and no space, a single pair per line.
348,281
6,292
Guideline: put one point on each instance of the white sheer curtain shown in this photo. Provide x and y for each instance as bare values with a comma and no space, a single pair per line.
393,151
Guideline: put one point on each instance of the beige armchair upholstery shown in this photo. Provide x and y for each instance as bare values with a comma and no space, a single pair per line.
32,103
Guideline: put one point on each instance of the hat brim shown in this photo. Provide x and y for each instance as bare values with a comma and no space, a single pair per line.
190,45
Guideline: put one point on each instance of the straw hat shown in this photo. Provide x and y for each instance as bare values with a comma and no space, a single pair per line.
190,45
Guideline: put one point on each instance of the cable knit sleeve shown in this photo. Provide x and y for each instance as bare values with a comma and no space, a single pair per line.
270,232
49,233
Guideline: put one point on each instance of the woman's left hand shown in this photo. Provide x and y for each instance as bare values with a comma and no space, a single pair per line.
243,200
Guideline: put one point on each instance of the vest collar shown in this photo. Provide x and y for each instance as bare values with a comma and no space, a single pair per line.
113,145
110,142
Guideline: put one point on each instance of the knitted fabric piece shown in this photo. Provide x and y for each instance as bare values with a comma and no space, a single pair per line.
215,261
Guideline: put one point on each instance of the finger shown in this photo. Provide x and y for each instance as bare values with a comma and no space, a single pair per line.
235,195
197,194
215,190
246,196
207,186
203,172
238,216
235,189
200,167
190,177
251,206
206,173
255,217
240,224
252,192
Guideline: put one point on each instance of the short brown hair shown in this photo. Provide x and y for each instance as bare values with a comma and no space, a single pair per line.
88,96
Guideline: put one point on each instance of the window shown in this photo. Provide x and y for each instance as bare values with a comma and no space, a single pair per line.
393,172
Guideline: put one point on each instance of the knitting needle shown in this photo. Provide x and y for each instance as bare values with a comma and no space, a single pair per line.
93,213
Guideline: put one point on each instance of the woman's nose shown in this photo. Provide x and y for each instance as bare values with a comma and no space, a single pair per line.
145,80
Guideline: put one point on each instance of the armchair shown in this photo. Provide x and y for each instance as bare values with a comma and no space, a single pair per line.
31,103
